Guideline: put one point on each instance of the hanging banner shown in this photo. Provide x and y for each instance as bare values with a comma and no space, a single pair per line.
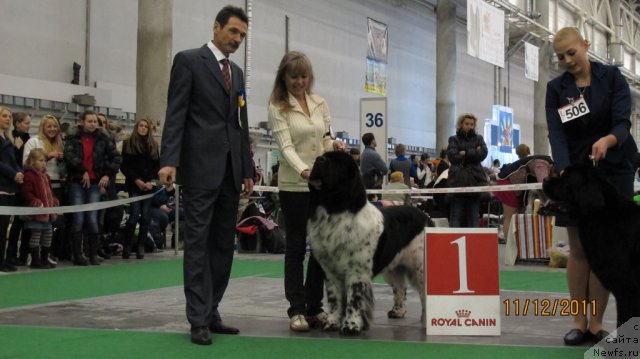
504,116
485,32
377,35
530,61
376,75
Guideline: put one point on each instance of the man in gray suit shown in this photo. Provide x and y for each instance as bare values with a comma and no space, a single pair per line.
205,148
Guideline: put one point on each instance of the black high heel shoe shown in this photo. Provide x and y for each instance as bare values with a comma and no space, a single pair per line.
597,337
575,337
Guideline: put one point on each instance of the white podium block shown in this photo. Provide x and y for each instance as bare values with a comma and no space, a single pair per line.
462,281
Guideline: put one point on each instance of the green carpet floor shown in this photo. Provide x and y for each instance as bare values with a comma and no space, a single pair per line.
30,342
94,281
38,287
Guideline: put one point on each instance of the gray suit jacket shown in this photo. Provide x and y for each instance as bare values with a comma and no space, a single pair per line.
203,122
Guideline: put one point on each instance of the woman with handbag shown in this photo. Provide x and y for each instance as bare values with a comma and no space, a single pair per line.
466,151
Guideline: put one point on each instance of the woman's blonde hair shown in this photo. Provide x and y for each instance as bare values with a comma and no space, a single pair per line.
34,155
50,145
294,63
7,132
465,116
522,151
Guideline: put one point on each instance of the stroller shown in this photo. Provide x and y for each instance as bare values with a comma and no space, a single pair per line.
259,230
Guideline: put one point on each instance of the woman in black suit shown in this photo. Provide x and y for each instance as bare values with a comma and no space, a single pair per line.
588,109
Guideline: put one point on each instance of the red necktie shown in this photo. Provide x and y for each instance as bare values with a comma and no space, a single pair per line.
226,74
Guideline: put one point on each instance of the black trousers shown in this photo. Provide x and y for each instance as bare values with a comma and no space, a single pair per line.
304,297
210,218
5,200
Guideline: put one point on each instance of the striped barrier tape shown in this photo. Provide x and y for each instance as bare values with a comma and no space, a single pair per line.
416,191
30,211
499,188
25,211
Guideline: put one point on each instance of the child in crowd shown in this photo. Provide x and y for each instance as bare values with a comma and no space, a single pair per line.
397,182
37,192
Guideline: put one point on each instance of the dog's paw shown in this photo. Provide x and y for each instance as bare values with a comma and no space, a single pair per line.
350,328
331,325
396,313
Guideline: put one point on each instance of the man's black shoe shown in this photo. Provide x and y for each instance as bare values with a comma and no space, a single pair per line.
219,328
200,335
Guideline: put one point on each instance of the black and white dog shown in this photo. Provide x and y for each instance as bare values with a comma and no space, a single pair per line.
354,241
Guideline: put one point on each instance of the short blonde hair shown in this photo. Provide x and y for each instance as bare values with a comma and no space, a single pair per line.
522,151
569,32
464,116
397,176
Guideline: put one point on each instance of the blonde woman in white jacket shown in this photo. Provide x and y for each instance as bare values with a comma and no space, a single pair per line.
300,122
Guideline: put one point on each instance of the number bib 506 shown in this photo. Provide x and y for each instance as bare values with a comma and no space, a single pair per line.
575,109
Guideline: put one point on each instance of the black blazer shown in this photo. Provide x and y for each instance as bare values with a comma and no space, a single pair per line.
609,101
204,124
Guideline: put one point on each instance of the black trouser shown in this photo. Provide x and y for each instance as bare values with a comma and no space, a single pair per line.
210,218
18,233
304,298
5,200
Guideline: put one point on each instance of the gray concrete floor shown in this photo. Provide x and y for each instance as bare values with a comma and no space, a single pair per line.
257,306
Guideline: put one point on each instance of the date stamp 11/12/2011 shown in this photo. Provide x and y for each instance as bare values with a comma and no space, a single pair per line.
549,307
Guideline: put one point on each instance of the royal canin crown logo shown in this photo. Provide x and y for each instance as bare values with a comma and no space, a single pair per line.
463,313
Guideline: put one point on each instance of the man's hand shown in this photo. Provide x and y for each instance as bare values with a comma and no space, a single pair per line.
167,175
248,187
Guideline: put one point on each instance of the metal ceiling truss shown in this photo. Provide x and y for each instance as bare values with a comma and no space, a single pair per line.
617,20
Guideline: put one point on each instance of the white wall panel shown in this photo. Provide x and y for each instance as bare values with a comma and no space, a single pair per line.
42,39
114,31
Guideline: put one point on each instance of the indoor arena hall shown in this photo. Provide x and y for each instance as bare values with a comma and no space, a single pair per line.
319,179
128,308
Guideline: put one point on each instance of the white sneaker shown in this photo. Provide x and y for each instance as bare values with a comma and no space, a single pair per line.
298,323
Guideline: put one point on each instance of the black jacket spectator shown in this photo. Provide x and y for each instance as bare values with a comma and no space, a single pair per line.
106,159
8,167
138,166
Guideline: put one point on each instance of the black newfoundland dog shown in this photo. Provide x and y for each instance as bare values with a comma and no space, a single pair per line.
354,241
609,227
